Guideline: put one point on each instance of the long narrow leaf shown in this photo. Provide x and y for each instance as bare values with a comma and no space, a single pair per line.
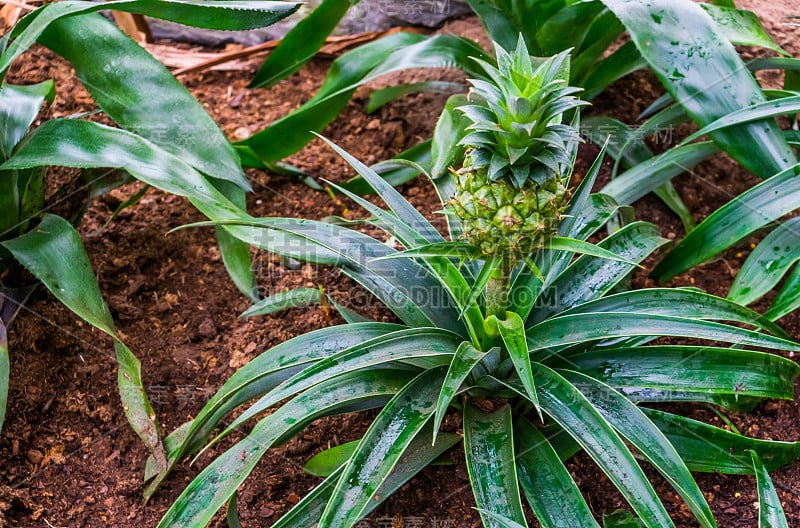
403,345
43,252
680,303
548,486
732,222
388,437
464,360
689,54
591,277
768,262
648,440
210,14
701,371
141,95
578,328
301,43
770,511
261,375
489,448
706,448
512,330
572,411
212,488
419,454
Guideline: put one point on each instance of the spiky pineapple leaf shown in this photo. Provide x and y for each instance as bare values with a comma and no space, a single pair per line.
212,488
489,448
770,510
570,409
734,221
706,448
387,438
43,252
466,357
648,440
548,486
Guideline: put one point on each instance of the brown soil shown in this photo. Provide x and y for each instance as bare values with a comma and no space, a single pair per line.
70,458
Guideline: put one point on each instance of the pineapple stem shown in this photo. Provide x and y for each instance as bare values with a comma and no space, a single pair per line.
497,290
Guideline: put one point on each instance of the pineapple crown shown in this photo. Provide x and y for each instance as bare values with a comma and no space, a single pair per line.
517,131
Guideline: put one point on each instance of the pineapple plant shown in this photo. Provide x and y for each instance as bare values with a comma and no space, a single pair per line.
511,189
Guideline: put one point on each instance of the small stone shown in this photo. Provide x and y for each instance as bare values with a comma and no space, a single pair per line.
35,456
730,510
207,328
293,497
266,513
374,124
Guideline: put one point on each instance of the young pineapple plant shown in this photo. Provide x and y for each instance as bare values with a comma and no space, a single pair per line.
541,360
511,190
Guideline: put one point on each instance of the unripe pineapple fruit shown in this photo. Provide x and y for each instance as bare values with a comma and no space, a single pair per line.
511,189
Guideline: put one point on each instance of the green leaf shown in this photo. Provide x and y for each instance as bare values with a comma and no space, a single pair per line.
577,328
683,47
232,513
680,303
706,448
211,14
592,277
43,251
85,144
648,176
417,456
296,298
571,410
363,64
301,43
324,464
767,263
464,361
433,344
695,371
446,148
759,111
489,448
751,210
141,95
455,249
384,96
788,299
387,438
19,106
572,245
399,205
770,510
648,440
499,520
235,253
404,286
548,486
621,519
741,27
4,373
512,330
212,488
261,375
